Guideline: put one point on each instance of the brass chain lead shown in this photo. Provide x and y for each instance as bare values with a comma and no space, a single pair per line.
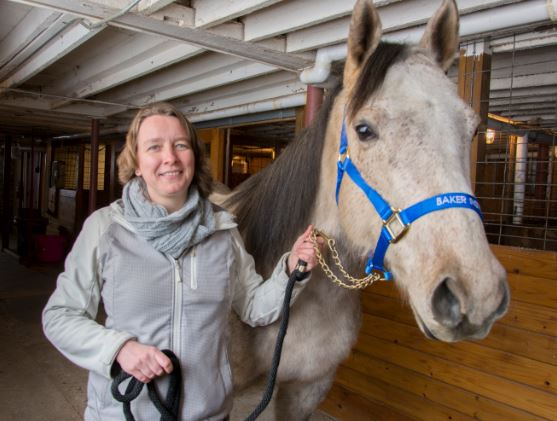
352,283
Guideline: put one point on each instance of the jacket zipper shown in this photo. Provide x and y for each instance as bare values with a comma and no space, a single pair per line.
177,311
193,269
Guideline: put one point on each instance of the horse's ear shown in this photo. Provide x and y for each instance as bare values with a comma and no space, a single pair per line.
441,34
364,36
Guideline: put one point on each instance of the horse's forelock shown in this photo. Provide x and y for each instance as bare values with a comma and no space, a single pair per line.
373,73
273,207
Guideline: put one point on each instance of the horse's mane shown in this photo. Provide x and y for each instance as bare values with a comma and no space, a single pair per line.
273,207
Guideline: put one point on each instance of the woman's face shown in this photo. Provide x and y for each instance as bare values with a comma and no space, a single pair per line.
165,160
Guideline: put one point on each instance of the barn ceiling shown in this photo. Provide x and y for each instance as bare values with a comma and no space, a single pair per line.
65,62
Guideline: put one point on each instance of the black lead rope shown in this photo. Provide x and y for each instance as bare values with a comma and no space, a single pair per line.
297,275
171,405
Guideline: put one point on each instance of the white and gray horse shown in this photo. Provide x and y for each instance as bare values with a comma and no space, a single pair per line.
409,135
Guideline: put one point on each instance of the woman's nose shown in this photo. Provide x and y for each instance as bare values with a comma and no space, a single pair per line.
169,154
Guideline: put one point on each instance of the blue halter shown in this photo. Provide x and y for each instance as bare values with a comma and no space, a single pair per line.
396,222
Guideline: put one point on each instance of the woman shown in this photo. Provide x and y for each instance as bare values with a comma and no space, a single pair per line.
168,266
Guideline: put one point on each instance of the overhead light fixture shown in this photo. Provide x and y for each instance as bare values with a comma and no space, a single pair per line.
490,136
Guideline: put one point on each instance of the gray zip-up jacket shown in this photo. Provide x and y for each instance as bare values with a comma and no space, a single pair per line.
182,305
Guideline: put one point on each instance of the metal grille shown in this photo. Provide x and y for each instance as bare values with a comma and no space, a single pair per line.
70,156
516,173
87,167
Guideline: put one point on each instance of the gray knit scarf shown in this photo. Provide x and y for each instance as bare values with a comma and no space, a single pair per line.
172,234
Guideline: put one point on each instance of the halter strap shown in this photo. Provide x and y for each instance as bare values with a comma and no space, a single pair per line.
395,222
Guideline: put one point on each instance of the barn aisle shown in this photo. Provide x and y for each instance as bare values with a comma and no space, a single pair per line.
36,382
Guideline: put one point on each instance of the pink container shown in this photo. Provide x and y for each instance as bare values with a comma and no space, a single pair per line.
49,248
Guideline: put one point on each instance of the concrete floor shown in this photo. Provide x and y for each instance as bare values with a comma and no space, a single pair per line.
36,382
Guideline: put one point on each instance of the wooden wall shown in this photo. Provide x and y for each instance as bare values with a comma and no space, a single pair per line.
395,373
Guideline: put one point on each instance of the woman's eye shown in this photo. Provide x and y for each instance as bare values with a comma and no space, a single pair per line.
182,146
153,148
365,132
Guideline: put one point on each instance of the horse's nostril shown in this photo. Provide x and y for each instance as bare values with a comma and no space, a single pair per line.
446,305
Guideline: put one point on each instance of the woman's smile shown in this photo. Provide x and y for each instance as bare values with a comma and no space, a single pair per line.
165,160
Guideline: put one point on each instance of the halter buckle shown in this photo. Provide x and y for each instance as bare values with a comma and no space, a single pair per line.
395,227
342,156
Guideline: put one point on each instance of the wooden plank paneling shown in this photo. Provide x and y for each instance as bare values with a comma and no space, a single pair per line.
531,317
527,371
480,382
535,290
509,375
468,403
504,336
522,342
400,400
537,263
344,404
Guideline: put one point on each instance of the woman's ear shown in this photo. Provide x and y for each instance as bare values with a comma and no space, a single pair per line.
137,172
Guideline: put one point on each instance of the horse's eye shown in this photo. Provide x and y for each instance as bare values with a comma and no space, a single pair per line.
365,132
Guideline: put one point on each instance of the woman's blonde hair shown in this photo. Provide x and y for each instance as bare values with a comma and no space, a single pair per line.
127,160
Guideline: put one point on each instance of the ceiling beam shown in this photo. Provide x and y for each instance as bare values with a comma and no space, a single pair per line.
526,41
54,24
85,110
127,61
30,27
532,92
148,7
395,16
212,12
294,15
72,37
175,14
526,81
174,83
199,37
263,88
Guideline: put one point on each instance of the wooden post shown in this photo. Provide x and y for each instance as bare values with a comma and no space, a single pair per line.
45,176
79,206
474,76
42,165
314,98
20,187
7,205
30,178
94,169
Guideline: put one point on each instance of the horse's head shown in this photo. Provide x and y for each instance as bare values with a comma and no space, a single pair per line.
409,135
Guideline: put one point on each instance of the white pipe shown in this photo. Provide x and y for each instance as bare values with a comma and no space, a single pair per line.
322,67
296,100
520,172
489,20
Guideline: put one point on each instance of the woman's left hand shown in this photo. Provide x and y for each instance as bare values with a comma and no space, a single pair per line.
303,249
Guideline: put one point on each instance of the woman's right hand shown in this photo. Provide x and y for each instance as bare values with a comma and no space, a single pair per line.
144,362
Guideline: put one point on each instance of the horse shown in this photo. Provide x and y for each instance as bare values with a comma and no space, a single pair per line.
409,135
